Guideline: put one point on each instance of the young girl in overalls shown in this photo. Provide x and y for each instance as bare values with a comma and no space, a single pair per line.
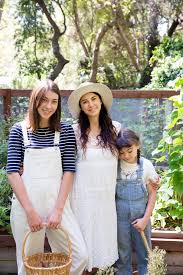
46,148
135,200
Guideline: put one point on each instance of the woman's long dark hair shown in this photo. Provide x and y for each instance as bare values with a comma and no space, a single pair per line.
107,137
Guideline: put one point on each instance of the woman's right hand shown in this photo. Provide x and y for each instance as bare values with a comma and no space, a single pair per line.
35,222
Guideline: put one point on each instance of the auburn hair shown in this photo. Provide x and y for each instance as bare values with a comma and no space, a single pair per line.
36,99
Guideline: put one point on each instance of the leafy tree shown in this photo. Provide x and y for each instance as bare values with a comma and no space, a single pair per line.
35,38
168,60
117,38
131,39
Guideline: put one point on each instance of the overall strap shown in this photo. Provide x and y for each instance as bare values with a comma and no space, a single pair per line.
57,138
140,169
25,135
119,171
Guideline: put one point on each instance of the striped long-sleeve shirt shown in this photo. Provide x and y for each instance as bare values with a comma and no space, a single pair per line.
42,138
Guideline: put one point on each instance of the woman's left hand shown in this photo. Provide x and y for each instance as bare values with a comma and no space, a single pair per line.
54,220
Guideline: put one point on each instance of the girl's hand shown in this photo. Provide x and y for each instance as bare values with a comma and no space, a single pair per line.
140,224
155,183
54,220
35,222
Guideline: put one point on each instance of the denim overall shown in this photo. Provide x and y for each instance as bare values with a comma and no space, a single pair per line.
131,202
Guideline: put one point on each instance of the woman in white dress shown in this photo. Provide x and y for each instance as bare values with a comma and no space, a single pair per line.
93,193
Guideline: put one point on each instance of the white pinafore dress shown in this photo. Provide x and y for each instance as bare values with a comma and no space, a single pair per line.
42,178
93,202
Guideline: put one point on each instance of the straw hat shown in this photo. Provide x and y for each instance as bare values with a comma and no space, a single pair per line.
84,88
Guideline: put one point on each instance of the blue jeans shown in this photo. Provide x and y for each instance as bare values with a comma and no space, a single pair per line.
129,237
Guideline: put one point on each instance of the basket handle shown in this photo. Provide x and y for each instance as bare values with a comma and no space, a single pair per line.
30,232
145,242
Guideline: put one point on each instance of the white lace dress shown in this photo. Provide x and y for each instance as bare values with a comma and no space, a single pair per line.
93,201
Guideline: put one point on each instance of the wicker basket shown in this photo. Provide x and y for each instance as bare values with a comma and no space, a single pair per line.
47,263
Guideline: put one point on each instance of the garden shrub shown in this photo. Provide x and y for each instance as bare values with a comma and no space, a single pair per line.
170,149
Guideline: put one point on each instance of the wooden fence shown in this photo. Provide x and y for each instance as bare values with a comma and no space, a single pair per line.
9,93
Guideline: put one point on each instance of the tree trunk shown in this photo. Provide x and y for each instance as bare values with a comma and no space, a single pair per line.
61,61
100,35
78,29
152,41
173,27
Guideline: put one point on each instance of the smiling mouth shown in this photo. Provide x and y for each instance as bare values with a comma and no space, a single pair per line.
47,113
92,110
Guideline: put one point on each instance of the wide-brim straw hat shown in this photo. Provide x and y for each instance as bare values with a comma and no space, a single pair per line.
87,87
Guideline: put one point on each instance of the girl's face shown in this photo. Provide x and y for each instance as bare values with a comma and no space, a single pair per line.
48,106
129,154
90,104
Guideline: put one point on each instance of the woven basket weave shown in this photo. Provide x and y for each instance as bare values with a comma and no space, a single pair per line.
47,263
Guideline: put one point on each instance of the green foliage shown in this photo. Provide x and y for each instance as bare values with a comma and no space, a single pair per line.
170,149
168,57
171,145
4,130
167,73
168,211
5,188
33,40
169,47
5,200
169,69
114,74
152,124
119,74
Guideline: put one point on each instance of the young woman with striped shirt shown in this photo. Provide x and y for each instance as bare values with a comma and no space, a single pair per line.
46,148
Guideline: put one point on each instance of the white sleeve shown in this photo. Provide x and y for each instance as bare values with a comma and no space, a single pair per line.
149,171
77,132
117,125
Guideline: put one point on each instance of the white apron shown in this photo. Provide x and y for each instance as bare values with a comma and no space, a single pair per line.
93,203
42,178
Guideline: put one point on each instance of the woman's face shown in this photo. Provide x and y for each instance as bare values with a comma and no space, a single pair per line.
90,104
48,106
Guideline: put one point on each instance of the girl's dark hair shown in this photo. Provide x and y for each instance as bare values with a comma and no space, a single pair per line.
107,136
36,98
126,138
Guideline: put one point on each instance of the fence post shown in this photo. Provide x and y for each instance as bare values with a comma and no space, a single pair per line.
7,104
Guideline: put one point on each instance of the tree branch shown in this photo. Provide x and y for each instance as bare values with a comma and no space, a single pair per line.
78,29
173,27
99,38
64,23
61,61
123,37
127,45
